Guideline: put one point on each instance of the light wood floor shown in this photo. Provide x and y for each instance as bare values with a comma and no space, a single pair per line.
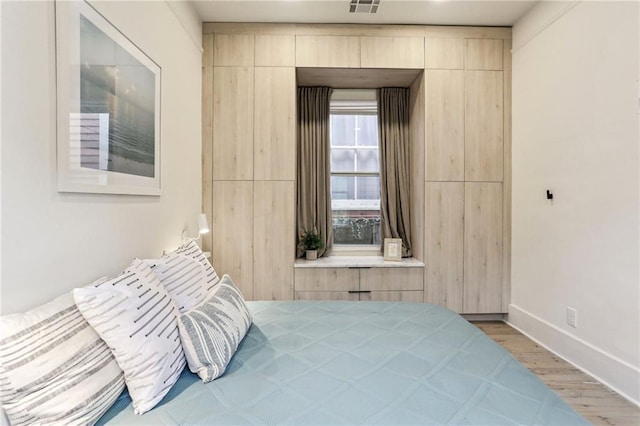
594,401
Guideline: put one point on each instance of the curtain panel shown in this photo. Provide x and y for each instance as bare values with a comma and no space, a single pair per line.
313,186
393,129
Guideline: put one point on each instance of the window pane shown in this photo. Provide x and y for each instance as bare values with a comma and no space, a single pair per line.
356,227
342,159
356,220
342,188
368,188
368,160
360,190
342,129
367,130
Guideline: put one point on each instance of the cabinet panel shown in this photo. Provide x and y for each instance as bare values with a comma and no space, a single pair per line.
506,188
392,52
327,279
275,50
326,295
328,51
376,279
233,123
483,126
417,126
233,50
444,53
392,284
274,123
445,125
393,296
232,222
444,242
207,51
483,54
207,146
483,248
273,240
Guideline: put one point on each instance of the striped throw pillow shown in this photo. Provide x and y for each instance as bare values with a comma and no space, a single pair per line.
186,274
211,332
54,368
135,316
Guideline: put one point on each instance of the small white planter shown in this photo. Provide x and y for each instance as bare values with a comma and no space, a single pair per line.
312,254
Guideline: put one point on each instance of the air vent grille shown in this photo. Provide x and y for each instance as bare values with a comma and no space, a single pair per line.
364,6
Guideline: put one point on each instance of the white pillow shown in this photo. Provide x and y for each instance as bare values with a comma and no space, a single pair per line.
211,332
186,274
134,314
54,368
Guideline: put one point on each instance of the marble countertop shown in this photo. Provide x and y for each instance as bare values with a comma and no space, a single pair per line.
358,262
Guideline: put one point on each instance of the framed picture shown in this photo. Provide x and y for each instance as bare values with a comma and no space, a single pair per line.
392,248
108,107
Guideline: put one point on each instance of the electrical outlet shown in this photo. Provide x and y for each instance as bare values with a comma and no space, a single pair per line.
572,317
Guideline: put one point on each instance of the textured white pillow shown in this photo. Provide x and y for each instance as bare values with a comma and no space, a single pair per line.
186,274
135,315
211,332
54,368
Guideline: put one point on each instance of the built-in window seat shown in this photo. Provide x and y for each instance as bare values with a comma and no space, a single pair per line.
359,278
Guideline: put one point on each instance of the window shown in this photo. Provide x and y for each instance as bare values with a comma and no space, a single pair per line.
355,171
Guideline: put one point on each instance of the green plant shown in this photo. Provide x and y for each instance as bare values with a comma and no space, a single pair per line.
311,240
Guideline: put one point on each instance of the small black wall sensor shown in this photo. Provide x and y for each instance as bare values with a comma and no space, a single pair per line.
549,195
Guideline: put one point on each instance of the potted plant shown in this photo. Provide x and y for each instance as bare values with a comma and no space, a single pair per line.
311,242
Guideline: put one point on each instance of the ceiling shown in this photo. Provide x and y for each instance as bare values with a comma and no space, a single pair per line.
425,12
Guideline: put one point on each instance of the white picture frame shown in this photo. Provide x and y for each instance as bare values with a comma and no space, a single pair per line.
108,107
393,249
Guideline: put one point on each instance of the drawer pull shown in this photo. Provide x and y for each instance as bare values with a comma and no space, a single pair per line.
359,291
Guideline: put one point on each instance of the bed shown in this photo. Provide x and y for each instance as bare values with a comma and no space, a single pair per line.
359,363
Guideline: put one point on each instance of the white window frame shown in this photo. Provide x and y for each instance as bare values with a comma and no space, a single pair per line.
354,102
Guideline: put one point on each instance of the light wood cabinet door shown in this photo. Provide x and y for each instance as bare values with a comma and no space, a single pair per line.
392,52
274,123
275,50
444,242
507,185
483,126
445,125
326,295
232,222
483,248
483,54
328,51
417,132
207,52
444,53
273,240
402,284
233,50
233,123
388,279
393,296
327,279
207,142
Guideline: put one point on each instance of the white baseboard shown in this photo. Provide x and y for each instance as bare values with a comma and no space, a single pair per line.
618,375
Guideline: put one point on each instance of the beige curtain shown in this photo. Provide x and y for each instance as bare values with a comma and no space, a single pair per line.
393,129
313,167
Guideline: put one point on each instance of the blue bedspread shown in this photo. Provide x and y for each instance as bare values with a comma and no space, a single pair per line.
327,363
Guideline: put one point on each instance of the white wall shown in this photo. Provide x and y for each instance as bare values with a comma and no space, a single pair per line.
2,418
576,131
52,242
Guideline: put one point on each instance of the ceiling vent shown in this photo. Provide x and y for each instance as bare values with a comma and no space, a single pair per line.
364,6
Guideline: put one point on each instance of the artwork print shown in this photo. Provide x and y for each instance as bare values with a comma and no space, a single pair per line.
108,107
